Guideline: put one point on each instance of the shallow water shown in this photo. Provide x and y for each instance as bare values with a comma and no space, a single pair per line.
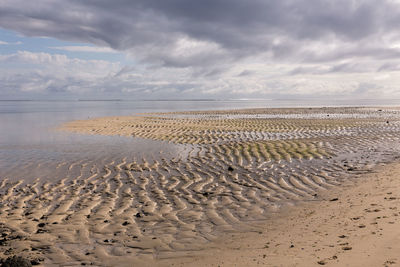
28,134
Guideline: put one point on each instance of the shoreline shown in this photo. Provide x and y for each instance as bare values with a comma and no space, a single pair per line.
355,224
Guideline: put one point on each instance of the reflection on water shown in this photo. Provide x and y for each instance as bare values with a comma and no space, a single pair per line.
31,147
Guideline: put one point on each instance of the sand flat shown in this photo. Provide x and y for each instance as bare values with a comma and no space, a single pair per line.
241,173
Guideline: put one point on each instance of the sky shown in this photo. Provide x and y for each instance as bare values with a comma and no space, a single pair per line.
209,49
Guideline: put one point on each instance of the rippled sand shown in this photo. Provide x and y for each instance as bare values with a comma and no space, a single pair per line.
235,170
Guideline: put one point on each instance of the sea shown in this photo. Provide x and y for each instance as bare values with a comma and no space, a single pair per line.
32,146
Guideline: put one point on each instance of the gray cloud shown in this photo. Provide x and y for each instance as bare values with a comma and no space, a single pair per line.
211,39
245,73
389,66
239,27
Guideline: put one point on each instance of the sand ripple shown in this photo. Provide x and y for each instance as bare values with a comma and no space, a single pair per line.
238,171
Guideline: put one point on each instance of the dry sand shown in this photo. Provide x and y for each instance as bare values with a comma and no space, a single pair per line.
250,184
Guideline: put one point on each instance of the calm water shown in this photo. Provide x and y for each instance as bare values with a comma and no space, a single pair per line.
28,135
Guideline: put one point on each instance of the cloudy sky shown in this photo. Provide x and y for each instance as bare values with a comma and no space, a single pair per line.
199,49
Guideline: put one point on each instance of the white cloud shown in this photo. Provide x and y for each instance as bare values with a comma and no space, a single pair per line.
7,43
89,49
26,71
43,72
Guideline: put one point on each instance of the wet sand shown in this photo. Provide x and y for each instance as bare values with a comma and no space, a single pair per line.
354,225
239,175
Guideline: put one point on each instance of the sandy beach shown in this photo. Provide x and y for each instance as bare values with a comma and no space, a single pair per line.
271,187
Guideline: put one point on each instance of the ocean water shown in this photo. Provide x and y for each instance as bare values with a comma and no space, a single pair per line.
32,147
